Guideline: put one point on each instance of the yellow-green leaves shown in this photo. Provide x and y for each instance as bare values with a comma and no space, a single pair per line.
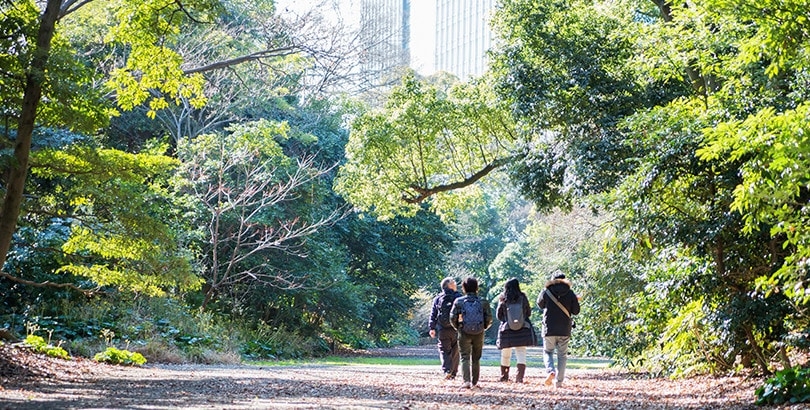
120,216
775,187
781,31
153,73
425,143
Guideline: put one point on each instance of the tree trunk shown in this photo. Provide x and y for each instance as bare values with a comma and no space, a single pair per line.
756,349
35,78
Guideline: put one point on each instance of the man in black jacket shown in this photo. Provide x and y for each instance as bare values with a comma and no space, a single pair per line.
440,326
559,303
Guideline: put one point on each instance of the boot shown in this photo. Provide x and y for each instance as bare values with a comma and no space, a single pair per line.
504,373
520,373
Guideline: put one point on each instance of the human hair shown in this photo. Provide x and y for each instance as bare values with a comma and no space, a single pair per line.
470,285
446,282
511,291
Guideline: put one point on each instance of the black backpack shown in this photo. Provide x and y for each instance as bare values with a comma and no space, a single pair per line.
473,316
446,303
514,315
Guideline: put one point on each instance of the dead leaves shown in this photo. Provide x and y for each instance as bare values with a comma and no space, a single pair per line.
366,386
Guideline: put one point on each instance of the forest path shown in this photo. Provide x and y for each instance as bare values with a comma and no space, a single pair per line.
363,386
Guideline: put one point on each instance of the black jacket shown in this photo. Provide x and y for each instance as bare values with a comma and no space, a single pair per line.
433,323
513,338
555,322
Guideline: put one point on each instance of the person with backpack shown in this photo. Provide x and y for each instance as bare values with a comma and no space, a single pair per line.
471,316
441,327
515,331
560,304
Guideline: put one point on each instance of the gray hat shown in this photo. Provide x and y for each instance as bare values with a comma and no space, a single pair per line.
558,274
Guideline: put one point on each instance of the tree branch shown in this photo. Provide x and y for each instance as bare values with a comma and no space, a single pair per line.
49,284
276,52
424,192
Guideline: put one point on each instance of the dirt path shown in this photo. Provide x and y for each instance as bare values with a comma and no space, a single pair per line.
361,387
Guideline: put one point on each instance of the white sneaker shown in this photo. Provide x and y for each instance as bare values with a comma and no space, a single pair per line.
466,385
550,378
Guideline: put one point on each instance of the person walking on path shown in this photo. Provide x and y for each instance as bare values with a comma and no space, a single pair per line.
471,316
515,331
560,303
441,328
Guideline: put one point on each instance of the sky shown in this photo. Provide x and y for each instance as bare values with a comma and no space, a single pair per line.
423,27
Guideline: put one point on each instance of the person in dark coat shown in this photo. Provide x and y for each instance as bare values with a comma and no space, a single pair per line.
513,339
447,335
557,324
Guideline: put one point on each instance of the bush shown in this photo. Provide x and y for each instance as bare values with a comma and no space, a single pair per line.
786,386
39,345
120,357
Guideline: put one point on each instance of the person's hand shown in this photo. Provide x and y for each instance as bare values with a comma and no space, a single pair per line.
433,333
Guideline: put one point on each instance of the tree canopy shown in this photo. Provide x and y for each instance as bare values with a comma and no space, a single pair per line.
427,141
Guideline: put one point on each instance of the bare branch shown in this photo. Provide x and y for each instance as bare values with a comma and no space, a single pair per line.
277,52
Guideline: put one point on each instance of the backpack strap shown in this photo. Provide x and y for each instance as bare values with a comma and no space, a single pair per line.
557,302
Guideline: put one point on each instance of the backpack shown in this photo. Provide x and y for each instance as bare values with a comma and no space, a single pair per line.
514,315
446,303
473,315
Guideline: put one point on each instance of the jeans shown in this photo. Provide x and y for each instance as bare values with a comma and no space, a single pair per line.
506,355
448,348
561,344
471,348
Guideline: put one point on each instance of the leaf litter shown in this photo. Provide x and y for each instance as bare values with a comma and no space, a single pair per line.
31,381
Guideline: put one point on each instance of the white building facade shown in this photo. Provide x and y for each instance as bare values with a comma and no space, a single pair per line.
463,36
385,35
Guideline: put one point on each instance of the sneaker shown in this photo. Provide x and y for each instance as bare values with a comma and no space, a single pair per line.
449,376
466,385
550,378
558,385
476,386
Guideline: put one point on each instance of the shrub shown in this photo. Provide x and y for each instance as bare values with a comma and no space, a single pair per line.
39,345
159,351
786,386
122,357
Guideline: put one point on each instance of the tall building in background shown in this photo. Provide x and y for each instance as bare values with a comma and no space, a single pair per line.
385,31
463,36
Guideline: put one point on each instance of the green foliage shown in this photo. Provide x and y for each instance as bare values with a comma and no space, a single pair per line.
70,99
689,122
120,215
425,141
563,67
775,176
688,346
39,345
146,27
116,356
790,385
387,273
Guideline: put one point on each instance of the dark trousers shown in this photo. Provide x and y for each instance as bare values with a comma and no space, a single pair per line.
471,347
448,349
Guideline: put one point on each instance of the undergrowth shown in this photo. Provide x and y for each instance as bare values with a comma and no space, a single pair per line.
791,385
161,330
